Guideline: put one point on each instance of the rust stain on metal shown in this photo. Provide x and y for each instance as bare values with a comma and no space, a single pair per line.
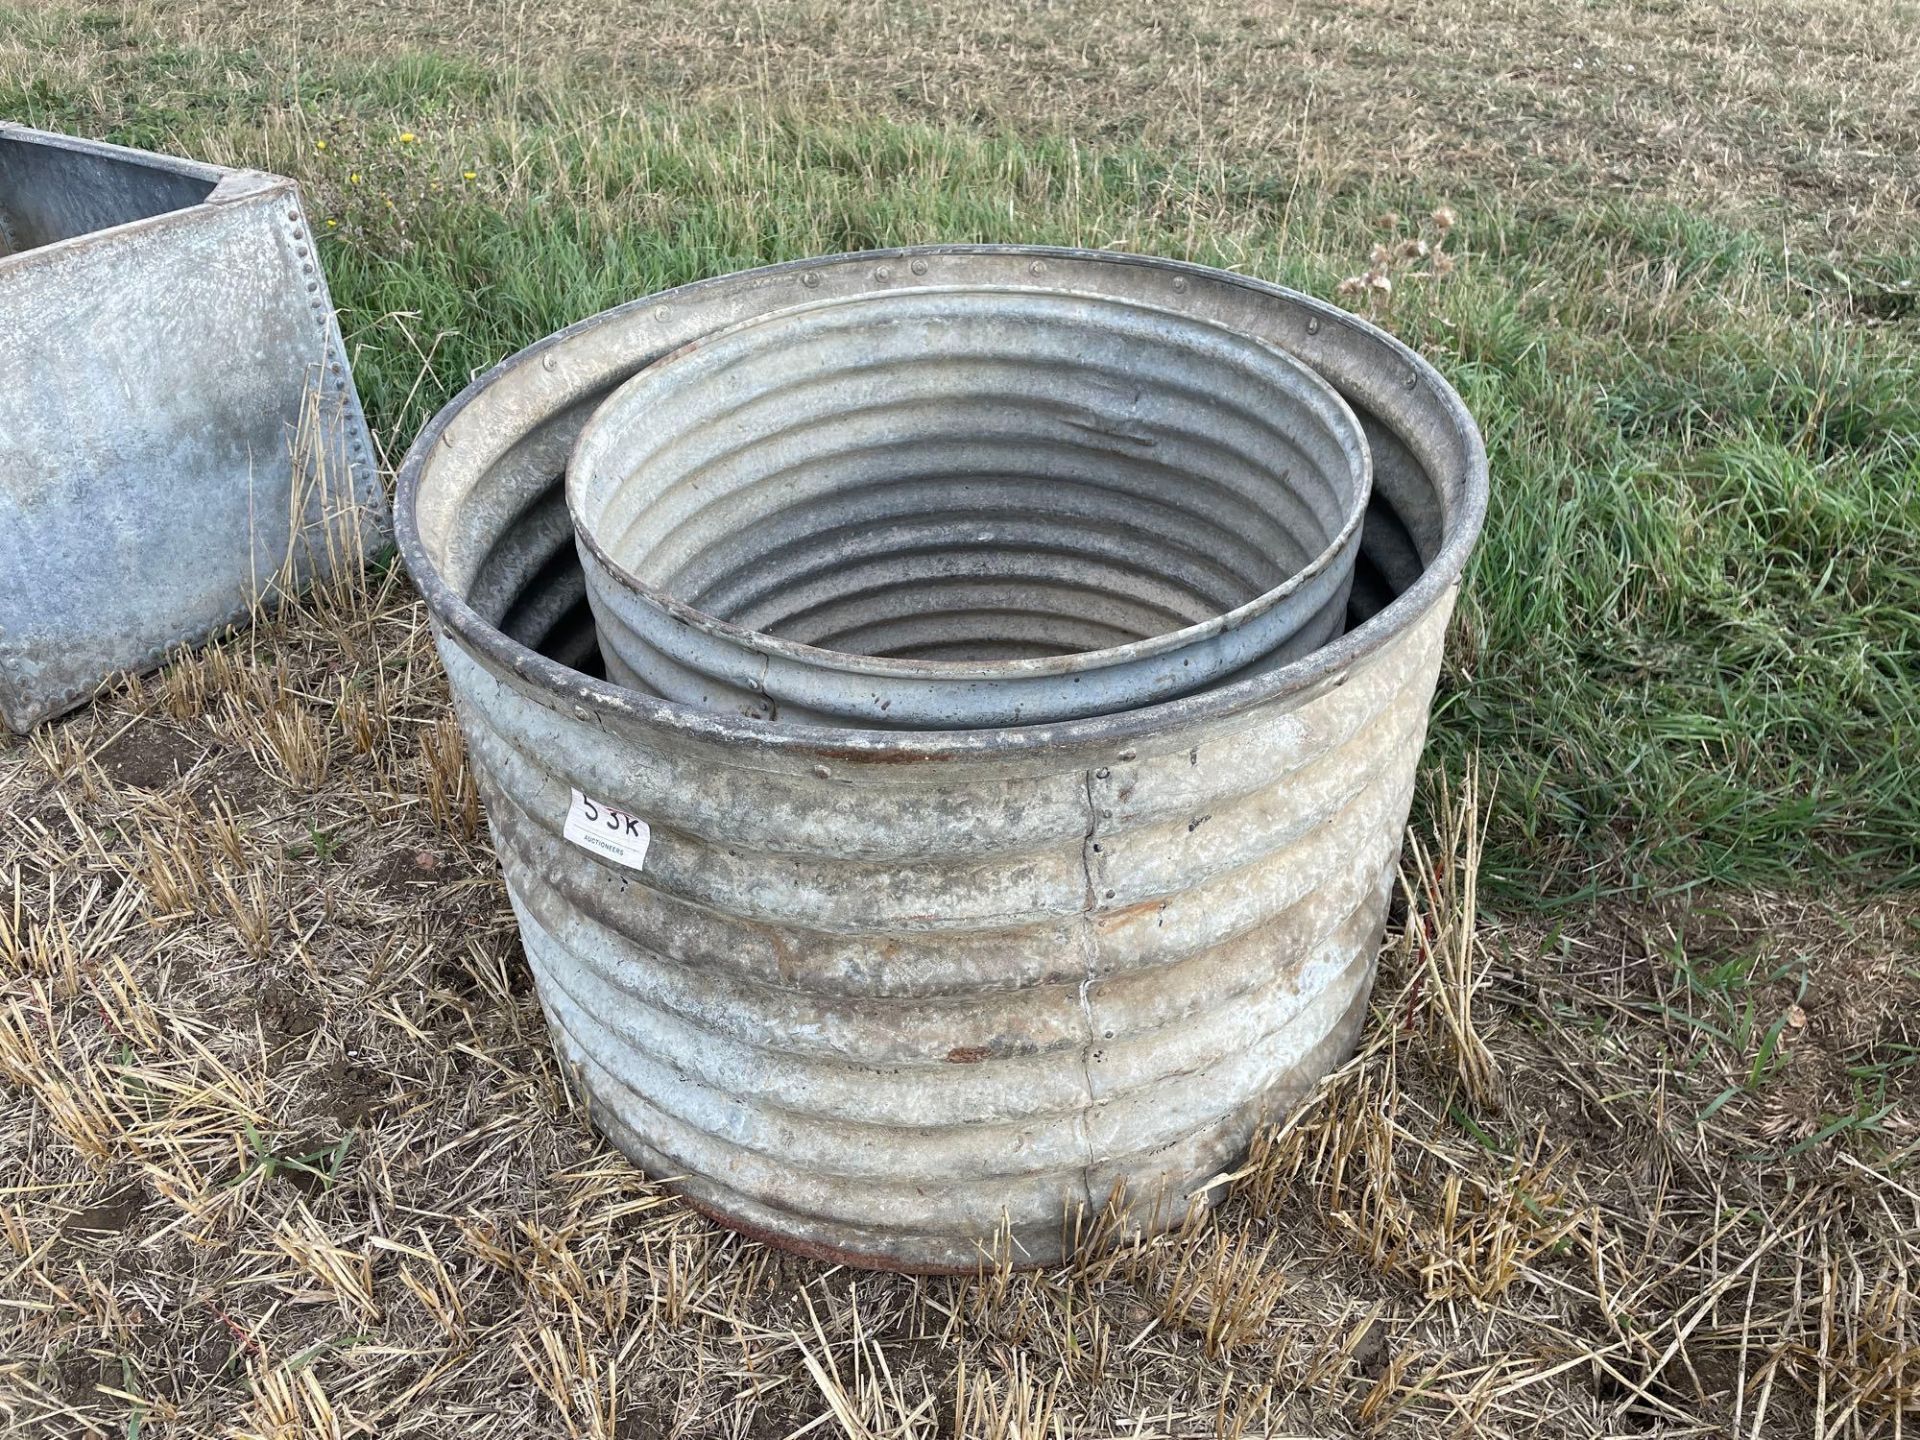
827,1254
1121,915
889,756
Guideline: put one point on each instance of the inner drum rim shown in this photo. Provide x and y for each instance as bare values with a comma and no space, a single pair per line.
1414,419
591,489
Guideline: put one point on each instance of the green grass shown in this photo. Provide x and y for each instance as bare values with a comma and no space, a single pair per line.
1687,649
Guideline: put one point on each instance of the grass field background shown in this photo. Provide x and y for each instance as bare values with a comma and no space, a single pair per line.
1688,648
1680,291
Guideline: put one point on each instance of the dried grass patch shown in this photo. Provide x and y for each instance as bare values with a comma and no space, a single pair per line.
288,1153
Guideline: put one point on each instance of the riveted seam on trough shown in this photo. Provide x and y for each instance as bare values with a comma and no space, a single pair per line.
304,263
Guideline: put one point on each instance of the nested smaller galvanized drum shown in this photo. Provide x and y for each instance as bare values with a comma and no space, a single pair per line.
959,507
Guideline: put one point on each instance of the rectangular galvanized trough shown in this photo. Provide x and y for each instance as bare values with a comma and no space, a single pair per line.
179,433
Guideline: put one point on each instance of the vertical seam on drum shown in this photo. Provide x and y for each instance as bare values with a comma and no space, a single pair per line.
1089,943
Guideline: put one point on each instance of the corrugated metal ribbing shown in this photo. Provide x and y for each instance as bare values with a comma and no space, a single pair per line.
898,996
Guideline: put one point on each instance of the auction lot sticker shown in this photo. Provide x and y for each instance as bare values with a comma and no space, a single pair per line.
607,831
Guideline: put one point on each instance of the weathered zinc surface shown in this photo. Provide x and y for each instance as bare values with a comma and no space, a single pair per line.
178,430
918,998
960,507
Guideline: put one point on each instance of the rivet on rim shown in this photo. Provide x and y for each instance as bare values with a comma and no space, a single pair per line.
919,267
1313,324
811,280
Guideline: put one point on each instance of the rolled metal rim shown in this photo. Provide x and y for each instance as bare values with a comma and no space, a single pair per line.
1295,411
1467,512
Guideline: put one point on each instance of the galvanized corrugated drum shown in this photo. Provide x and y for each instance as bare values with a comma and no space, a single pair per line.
958,508
913,998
